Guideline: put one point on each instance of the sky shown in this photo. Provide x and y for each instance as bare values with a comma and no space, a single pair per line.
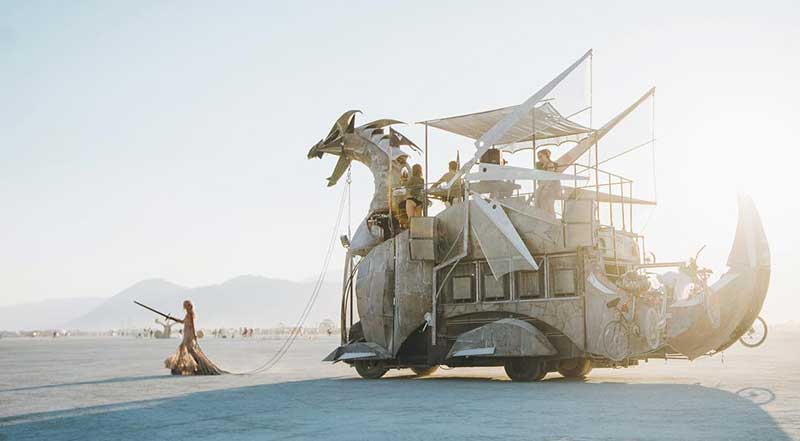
168,139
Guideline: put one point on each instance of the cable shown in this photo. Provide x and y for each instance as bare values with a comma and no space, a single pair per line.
287,344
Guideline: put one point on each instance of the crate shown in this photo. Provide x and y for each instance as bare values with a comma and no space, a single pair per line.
423,227
423,249
578,235
578,211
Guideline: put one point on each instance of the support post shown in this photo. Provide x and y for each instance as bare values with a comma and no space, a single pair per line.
613,229
425,187
622,201
630,205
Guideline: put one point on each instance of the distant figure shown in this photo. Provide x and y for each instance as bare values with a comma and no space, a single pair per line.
547,191
190,359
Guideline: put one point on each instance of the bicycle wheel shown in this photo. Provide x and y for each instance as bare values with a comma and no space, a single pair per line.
616,340
756,334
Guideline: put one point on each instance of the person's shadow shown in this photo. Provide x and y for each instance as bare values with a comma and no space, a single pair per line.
433,408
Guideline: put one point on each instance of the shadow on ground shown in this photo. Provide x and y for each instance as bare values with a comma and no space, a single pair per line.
85,383
433,408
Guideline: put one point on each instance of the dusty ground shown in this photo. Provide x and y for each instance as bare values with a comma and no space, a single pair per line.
116,389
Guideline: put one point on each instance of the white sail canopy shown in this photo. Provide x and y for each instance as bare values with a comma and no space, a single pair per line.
547,124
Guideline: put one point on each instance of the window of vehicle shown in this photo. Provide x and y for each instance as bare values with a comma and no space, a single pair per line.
529,284
461,288
563,276
493,290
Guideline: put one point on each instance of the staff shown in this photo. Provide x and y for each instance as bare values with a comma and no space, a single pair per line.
166,316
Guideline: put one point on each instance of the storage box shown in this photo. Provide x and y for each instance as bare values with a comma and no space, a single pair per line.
578,211
423,249
578,235
423,227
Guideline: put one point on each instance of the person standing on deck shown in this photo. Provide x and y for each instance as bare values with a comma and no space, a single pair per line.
415,188
547,191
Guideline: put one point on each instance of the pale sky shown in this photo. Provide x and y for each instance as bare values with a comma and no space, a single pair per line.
169,139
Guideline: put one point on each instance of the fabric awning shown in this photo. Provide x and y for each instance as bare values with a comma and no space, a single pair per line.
549,124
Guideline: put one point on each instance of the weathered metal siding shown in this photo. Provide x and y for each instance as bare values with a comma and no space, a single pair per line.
413,286
375,294
565,314
599,291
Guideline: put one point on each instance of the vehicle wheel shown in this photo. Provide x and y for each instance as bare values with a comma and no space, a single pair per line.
575,367
756,334
424,371
370,369
525,369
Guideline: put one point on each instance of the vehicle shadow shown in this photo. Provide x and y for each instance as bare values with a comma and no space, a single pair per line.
434,408
84,383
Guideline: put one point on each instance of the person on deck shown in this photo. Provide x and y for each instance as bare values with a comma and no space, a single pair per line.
401,166
546,191
415,188
454,192
189,359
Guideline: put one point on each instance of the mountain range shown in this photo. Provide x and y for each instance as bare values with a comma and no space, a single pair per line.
252,301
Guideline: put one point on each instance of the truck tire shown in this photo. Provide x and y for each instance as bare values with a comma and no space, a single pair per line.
525,369
370,369
575,367
424,371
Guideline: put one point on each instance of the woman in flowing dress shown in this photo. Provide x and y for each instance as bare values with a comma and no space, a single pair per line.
189,359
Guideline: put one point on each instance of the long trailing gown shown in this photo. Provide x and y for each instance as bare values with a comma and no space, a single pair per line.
189,359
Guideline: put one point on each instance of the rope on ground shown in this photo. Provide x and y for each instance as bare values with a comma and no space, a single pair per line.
287,344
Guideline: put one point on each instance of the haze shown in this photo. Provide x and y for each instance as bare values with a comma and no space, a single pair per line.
155,139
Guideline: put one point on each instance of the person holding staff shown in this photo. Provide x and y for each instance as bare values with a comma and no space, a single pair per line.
189,359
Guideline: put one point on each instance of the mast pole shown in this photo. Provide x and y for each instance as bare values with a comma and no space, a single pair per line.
622,200
425,187
630,204
591,121
533,142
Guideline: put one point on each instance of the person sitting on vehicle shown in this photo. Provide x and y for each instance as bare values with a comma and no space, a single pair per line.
415,187
454,191
401,167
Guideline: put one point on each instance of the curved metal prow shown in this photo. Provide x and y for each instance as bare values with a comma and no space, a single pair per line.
735,299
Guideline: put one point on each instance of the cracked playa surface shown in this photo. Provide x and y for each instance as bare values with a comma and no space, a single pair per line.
116,388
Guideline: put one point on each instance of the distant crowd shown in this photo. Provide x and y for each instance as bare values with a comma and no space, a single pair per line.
325,328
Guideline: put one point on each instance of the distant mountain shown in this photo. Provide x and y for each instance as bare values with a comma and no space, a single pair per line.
120,311
251,301
47,314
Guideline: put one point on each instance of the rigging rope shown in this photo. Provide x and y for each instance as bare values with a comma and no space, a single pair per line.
653,152
287,344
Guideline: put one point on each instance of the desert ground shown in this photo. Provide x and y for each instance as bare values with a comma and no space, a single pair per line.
115,388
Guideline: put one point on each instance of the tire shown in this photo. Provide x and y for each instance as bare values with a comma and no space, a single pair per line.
370,369
575,367
525,369
424,371
747,338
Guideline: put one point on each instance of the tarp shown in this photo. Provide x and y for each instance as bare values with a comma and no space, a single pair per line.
549,124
